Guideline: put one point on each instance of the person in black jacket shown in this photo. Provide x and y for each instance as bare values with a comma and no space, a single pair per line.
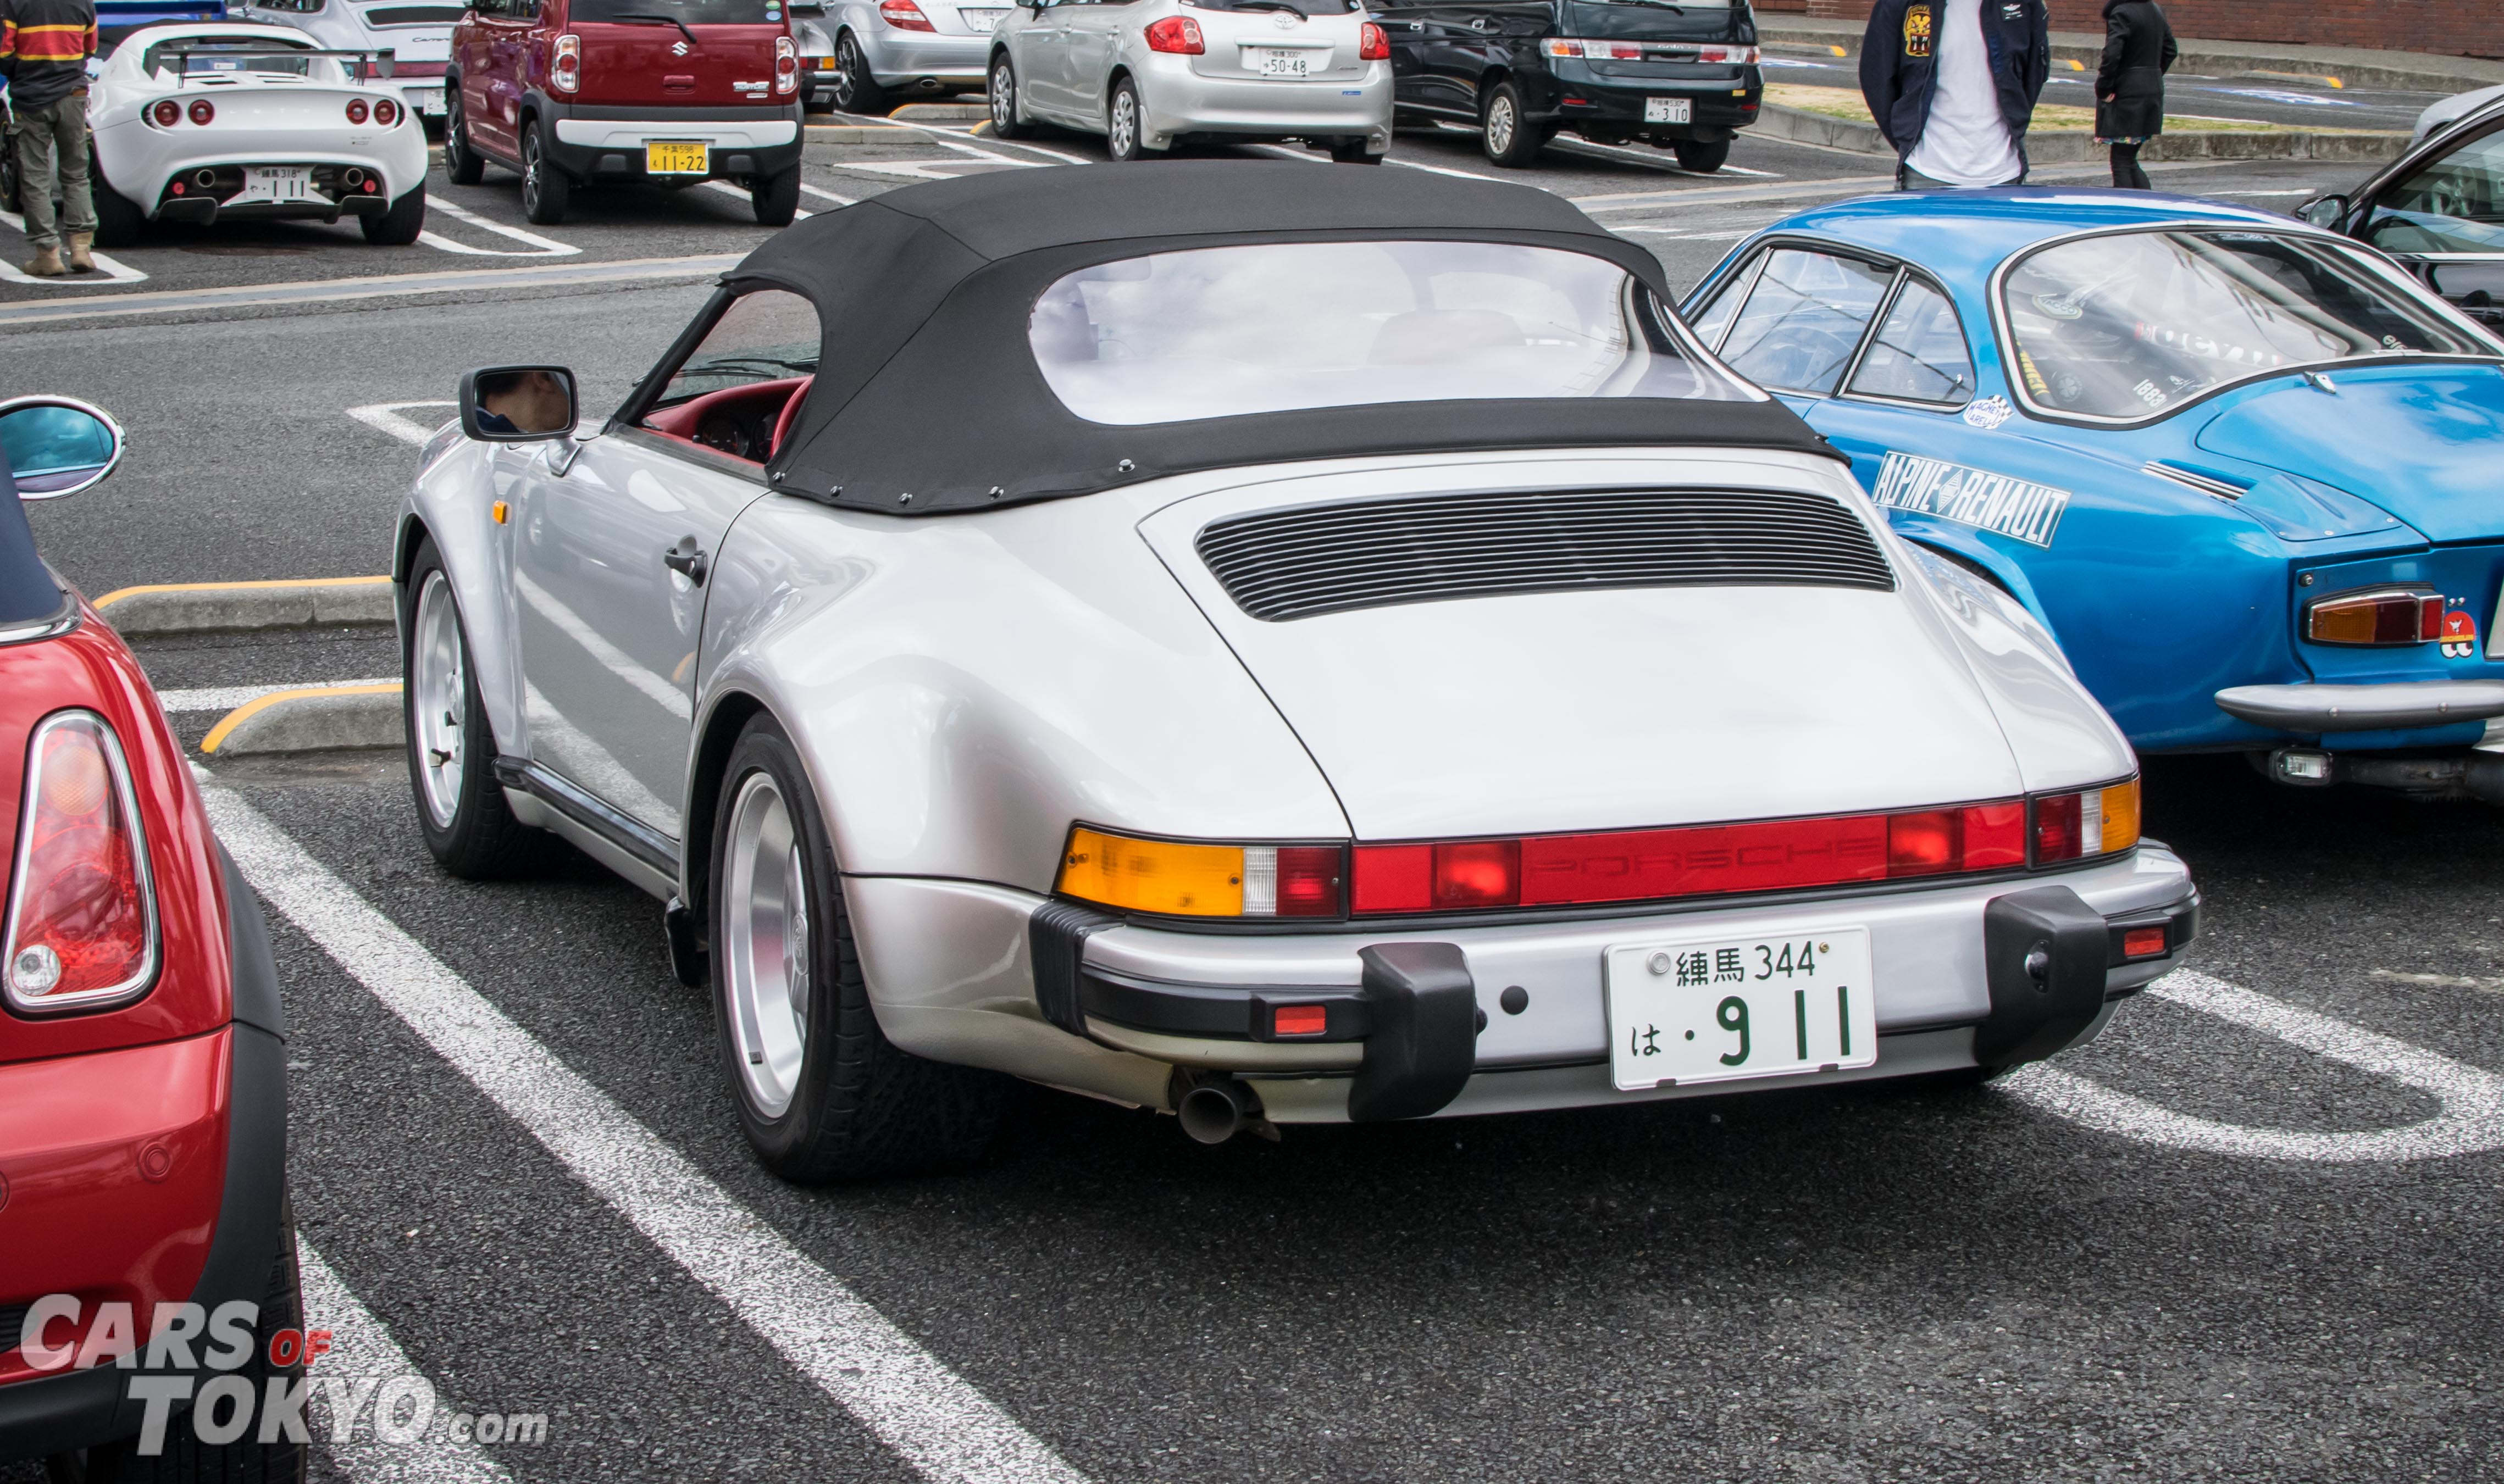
2130,85
1952,84
43,47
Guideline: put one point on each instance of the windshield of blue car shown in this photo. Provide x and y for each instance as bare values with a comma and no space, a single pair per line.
1281,327
2125,327
698,13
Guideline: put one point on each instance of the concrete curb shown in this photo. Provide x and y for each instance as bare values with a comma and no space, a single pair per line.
866,133
321,719
2065,147
230,608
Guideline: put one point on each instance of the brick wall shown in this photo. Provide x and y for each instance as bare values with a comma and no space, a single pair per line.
2452,27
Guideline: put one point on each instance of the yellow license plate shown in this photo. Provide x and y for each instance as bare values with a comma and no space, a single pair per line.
676,156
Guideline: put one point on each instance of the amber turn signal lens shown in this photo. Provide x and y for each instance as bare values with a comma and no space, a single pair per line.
2398,616
1187,878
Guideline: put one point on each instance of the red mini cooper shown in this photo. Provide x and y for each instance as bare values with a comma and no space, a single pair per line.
146,1243
594,93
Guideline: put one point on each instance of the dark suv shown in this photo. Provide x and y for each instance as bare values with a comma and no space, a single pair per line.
673,93
1682,76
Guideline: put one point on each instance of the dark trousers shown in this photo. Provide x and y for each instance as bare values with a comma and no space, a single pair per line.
2127,175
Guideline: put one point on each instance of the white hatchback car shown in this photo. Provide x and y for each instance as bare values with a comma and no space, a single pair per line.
1150,74
199,123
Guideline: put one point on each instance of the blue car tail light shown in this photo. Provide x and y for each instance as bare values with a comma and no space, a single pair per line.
2381,616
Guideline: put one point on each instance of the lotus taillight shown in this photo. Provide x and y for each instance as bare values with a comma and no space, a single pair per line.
2100,821
386,113
1177,34
786,65
356,109
167,112
82,928
203,110
904,16
1188,879
2384,617
1371,46
565,69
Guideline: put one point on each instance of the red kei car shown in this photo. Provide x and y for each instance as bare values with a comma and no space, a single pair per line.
142,1108
670,92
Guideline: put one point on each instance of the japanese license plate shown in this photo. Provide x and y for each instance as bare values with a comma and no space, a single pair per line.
430,103
1669,111
278,183
982,19
676,156
1279,61
1720,1009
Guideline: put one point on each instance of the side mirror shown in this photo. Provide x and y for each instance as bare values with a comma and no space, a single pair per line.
517,403
2326,211
57,445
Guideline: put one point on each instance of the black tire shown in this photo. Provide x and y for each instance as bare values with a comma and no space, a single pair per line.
400,225
1703,156
184,1458
545,189
1006,122
481,840
857,1106
855,91
1505,130
462,164
119,221
1351,151
1126,138
777,198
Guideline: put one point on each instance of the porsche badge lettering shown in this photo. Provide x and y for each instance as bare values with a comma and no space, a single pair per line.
1917,30
1971,496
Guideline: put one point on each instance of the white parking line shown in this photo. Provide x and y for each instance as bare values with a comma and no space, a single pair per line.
998,143
384,416
361,1347
2472,1121
1657,159
226,698
107,269
373,285
728,189
946,1429
540,247
826,196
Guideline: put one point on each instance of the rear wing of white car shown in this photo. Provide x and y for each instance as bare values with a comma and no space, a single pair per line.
366,64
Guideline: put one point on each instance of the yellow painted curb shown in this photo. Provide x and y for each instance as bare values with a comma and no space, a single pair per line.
120,593
245,712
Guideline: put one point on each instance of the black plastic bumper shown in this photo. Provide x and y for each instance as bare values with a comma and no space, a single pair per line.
1715,112
2049,959
204,210
79,1410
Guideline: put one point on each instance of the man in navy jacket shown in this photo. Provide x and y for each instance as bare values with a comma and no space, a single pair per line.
1952,84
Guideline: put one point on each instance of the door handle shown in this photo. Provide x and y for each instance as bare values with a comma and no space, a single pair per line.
687,560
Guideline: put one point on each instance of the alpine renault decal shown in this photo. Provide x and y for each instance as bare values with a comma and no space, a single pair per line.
1971,496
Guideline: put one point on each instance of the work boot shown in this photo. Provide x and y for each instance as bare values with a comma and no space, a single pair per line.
82,261
47,263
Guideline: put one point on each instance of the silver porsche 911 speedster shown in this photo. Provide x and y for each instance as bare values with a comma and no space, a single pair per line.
1272,644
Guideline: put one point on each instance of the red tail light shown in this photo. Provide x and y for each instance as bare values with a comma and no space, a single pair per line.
565,68
1178,34
2394,616
356,109
82,925
1371,46
386,113
904,16
166,112
786,65
202,111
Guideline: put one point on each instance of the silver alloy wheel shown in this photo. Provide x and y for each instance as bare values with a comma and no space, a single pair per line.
1499,125
438,691
1124,128
530,173
765,968
848,69
1003,101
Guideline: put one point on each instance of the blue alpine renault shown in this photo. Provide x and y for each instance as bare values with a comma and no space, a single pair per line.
2248,473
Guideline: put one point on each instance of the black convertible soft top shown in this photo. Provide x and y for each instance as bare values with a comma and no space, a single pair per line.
927,385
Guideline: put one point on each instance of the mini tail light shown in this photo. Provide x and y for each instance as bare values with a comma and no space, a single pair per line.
2100,821
386,113
82,926
2389,616
565,68
356,109
203,110
1192,880
786,65
1177,34
166,112
904,16
1371,46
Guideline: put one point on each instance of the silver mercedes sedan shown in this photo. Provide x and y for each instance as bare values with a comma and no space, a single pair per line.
1152,74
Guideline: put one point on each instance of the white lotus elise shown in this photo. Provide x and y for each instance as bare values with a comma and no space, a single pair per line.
199,123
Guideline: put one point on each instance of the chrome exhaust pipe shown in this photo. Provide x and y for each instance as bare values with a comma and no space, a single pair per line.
354,177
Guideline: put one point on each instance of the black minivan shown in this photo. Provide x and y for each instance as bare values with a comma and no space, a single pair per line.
1683,76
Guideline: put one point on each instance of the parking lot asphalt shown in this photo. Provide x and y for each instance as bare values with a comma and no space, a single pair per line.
2207,1266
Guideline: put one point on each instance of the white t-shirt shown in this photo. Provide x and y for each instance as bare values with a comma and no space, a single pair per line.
1965,142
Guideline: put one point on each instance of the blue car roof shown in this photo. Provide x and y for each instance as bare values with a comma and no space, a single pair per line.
1977,230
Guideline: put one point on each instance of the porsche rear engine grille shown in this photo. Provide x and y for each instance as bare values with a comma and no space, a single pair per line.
1295,564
